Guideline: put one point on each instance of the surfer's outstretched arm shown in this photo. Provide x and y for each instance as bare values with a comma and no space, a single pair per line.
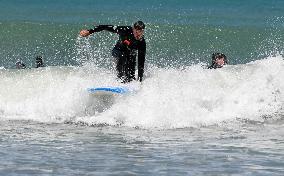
99,28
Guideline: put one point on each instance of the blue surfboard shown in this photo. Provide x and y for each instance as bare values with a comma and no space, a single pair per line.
109,90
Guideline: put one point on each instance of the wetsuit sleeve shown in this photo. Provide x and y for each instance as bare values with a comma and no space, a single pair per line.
141,60
100,28
110,28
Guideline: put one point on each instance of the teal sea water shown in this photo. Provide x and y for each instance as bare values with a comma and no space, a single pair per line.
179,33
183,120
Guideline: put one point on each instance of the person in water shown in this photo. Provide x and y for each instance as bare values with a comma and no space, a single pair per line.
39,62
131,41
20,65
218,60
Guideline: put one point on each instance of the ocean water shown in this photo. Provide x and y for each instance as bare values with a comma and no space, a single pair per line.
183,119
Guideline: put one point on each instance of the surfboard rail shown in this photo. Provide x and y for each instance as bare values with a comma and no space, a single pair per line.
109,89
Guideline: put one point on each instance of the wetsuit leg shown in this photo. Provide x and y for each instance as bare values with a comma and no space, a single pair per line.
130,67
120,63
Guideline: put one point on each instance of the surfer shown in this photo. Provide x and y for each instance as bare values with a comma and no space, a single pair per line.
20,65
131,42
39,62
218,60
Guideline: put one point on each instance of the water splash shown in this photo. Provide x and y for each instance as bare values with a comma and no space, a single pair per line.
168,98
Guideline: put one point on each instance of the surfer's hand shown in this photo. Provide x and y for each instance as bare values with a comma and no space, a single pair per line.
84,33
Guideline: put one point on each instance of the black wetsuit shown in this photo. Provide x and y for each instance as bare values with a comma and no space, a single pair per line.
39,62
125,51
214,66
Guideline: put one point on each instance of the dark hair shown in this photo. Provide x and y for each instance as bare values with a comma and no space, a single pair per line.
38,58
39,62
216,56
139,25
20,65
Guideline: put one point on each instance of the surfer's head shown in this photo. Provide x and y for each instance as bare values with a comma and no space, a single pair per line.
138,30
219,60
20,65
139,25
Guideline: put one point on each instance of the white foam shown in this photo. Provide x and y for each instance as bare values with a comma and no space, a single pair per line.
168,98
